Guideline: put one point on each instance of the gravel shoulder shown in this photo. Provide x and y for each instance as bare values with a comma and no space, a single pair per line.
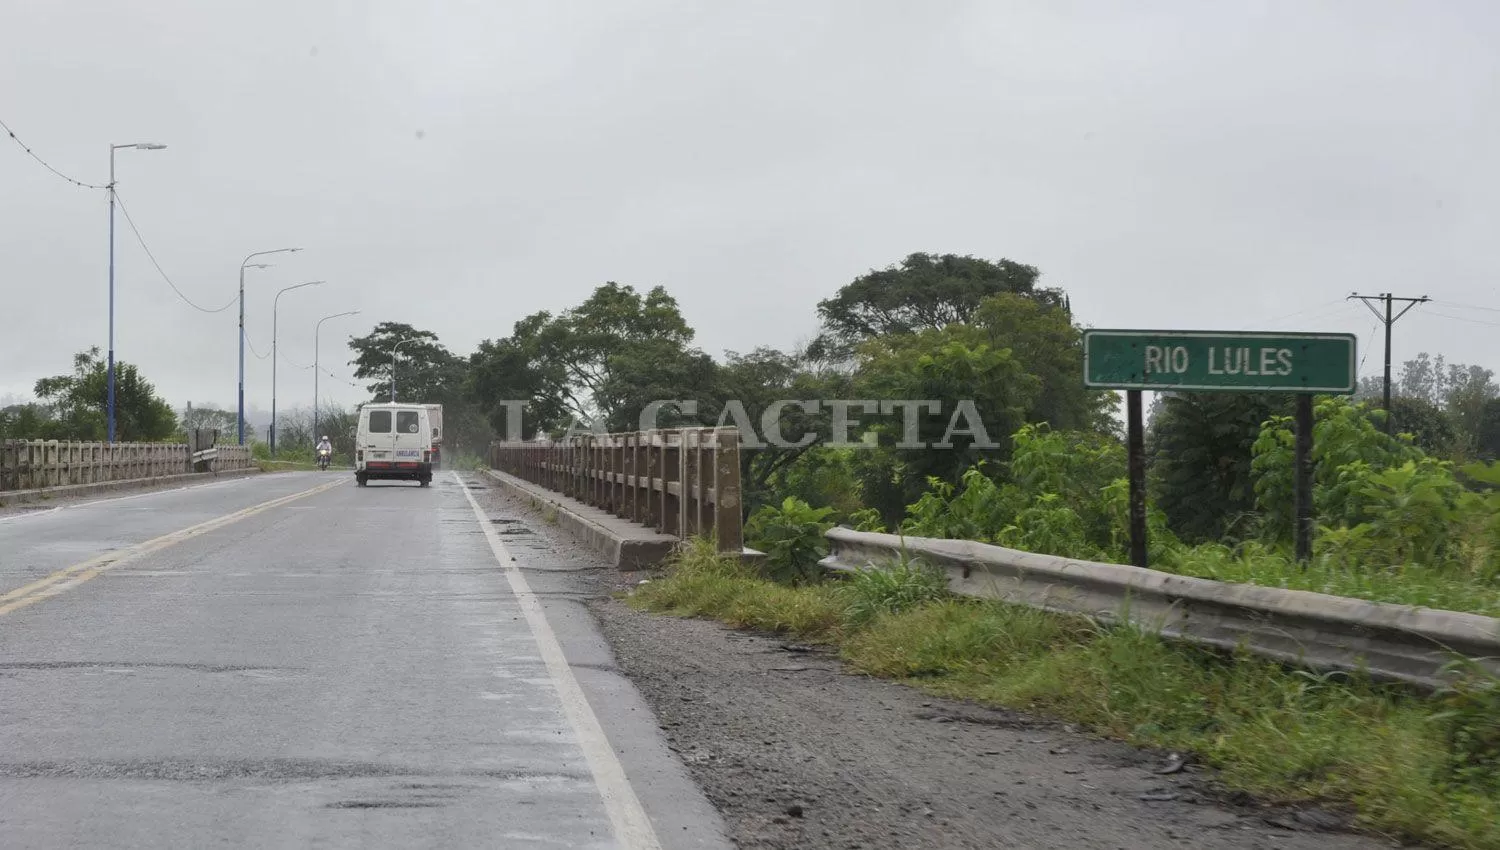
795,752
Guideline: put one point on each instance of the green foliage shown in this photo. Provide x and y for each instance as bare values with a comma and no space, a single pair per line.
1431,428
1347,447
791,535
925,292
77,404
24,422
949,365
1469,720
1487,441
598,362
891,589
823,476
866,519
1041,336
1198,446
1060,496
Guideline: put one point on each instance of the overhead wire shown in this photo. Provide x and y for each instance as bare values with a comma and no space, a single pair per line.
159,270
1430,312
33,154
1466,306
1296,313
251,346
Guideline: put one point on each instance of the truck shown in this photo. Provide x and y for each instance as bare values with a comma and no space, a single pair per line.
435,418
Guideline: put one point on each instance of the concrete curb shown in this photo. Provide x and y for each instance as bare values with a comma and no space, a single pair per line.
9,497
1390,642
628,547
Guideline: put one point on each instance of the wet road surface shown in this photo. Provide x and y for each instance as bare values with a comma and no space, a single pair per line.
291,661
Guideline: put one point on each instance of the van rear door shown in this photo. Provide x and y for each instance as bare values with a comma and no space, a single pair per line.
411,441
380,438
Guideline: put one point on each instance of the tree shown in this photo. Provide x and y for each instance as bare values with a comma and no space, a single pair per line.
79,403
207,417
979,386
749,384
645,371
423,367
25,422
924,292
1423,377
425,373
1431,427
1489,431
508,370
589,363
1043,338
1199,447
1465,393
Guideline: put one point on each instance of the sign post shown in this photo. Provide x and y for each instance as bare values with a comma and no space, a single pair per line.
1219,361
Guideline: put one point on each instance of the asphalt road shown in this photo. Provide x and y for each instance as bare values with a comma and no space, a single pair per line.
291,661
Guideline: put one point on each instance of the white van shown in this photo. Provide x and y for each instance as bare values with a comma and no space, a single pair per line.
394,442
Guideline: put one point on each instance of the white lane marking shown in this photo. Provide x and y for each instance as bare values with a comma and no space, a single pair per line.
632,826
68,578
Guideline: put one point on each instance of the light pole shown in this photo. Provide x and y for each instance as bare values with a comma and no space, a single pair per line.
394,349
318,329
243,266
140,146
275,306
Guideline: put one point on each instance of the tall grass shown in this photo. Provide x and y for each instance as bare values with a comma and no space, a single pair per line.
1424,768
1403,584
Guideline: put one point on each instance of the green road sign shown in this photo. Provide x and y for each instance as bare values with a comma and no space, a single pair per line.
1219,361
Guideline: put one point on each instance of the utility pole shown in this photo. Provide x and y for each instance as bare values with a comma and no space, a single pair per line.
1388,320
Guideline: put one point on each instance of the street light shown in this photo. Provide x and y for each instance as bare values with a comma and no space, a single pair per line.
318,329
140,146
247,264
394,349
275,305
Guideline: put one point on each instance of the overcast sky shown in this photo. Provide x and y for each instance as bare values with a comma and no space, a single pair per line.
458,165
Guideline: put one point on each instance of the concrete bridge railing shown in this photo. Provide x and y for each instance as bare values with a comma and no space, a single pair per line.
44,464
681,482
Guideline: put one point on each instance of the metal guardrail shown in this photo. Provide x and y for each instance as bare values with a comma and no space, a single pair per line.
682,482
1389,642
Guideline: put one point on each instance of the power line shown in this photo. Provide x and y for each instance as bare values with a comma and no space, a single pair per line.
133,229
292,363
44,163
1469,306
1463,319
258,355
1279,319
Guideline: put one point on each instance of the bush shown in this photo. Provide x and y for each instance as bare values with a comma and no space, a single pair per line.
791,535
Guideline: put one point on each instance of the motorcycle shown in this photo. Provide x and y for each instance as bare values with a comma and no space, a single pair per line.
324,458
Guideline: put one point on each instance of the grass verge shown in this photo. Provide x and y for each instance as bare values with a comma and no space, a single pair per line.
1424,768
1403,584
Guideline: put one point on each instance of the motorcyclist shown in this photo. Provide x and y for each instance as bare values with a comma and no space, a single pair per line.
324,445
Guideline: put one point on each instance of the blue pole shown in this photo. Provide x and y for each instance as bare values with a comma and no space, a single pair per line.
241,422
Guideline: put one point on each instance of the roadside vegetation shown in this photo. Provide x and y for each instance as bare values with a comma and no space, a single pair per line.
1423,768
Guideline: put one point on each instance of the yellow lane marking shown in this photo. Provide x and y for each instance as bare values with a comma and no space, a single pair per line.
70,577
